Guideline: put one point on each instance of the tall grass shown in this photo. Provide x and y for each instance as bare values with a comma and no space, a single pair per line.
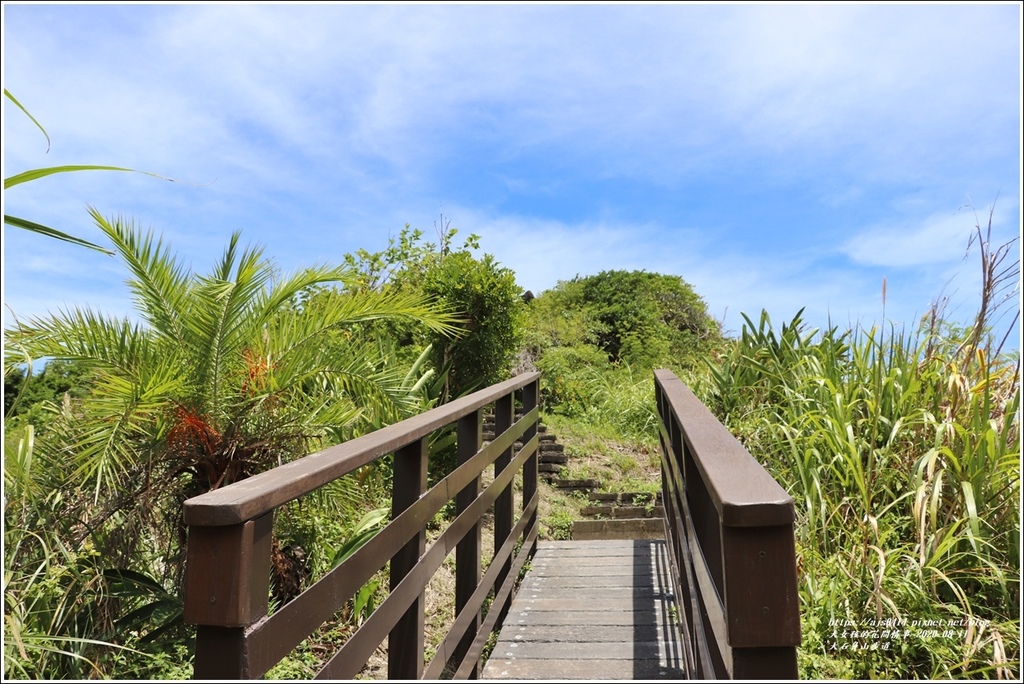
902,452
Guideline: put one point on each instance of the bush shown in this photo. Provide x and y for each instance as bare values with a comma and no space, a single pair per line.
487,299
477,290
568,376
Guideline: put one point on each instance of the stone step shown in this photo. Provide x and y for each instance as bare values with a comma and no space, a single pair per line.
553,458
623,511
551,468
621,528
631,498
542,434
586,485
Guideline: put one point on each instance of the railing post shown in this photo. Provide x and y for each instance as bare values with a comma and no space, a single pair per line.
227,585
504,417
531,396
405,642
762,601
467,551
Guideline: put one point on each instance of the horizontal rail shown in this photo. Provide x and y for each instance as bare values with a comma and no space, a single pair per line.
729,528
229,549
250,498
743,492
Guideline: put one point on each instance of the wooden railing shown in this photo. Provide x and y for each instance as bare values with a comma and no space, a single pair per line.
229,547
729,527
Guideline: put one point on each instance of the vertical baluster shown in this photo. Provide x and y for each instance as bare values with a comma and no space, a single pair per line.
405,643
531,395
504,417
467,551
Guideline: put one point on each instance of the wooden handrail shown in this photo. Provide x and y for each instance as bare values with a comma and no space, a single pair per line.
229,546
729,527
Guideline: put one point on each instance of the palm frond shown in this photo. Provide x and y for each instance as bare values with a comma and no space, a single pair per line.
159,283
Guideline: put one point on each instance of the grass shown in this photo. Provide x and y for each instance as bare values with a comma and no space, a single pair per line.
903,456
595,452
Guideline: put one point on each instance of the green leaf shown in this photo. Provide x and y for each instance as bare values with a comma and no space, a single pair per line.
366,529
36,174
32,118
51,232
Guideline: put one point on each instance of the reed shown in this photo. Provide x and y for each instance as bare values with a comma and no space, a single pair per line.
902,451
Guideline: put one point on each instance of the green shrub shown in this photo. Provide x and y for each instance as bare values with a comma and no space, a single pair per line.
568,375
487,299
478,291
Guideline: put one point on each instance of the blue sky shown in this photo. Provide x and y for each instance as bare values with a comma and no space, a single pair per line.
775,157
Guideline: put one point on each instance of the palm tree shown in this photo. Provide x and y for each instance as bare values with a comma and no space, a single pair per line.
226,374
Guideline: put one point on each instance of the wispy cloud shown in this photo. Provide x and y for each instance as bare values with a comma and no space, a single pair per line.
934,239
766,154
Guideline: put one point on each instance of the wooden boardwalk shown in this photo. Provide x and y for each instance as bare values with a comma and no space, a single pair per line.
591,610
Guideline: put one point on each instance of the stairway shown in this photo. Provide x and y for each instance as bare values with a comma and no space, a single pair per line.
610,515
621,515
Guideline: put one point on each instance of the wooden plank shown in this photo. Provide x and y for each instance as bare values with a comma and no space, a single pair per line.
581,632
588,581
599,617
598,548
554,670
519,617
578,650
613,603
634,592
570,566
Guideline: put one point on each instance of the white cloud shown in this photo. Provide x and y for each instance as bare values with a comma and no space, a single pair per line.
323,127
939,238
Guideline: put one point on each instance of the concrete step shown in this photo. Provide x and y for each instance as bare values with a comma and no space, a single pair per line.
621,528
616,511
586,485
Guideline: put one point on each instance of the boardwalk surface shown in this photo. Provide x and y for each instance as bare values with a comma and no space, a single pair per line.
591,610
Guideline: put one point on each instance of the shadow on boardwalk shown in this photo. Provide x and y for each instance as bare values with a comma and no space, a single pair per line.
591,610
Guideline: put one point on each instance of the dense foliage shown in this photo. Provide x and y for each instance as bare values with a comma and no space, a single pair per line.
903,455
227,374
478,291
596,338
56,379
902,450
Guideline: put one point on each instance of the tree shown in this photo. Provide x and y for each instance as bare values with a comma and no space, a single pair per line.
486,298
481,293
640,318
640,309
23,391
227,373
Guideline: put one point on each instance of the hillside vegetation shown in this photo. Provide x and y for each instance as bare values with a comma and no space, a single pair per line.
900,446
